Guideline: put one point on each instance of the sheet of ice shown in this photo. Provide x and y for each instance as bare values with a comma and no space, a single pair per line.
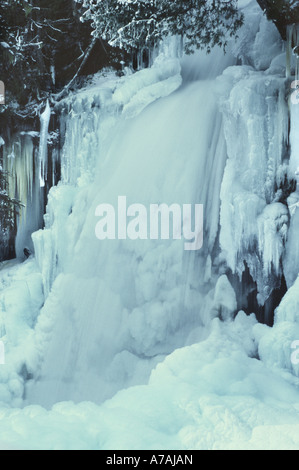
118,311
291,260
258,40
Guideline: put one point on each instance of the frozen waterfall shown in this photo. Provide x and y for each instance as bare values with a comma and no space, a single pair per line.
218,140
128,343
122,316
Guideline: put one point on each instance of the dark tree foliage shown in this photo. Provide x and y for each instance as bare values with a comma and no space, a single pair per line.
9,209
139,23
8,205
282,13
42,44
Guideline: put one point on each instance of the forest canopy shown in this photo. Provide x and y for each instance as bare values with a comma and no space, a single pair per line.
43,44
41,47
138,23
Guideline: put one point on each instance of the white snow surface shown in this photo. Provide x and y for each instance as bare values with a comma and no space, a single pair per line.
138,344
210,395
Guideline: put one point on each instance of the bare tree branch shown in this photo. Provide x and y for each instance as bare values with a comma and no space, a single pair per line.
87,53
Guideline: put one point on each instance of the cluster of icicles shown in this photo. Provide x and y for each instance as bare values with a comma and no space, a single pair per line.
292,50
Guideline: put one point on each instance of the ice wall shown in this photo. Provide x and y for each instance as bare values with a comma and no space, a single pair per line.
32,170
292,51
254,214
220,140
276,346
19,161
126,304
210,130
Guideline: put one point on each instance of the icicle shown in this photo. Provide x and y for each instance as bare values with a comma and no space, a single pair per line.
296,53
292,50
53,74
43,146
289,50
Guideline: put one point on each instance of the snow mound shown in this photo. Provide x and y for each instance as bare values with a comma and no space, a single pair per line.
210,395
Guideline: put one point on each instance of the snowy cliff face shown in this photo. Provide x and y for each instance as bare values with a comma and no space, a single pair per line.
254,214
100,316
220,141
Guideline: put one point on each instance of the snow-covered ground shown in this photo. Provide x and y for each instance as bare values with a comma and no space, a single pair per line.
123,344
